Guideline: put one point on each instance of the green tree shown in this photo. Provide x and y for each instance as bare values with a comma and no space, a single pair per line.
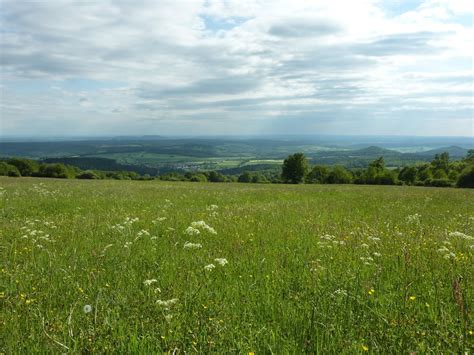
8,170
26,167
408,175
318,175
441,162
295,168
339,175
245,177
54,171
215,176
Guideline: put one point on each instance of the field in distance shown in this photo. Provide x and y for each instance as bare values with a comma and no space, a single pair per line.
130,266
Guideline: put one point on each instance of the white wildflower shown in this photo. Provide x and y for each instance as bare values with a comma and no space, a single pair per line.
189,245
192,231
149,282
168,303
460,235
212,207
204,226
340,292
415,218
378,255
363,245
209,267
221,261
443,249
87,308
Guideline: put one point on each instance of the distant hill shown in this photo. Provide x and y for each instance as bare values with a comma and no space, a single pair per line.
102,164
454,152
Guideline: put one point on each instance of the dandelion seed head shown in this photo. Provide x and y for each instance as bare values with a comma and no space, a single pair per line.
87,308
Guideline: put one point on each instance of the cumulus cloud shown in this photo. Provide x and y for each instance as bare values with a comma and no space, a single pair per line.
216,66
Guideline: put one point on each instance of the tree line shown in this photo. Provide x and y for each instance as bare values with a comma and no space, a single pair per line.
440,172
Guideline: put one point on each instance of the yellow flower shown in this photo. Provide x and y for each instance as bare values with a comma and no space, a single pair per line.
371,291
365,347
471,332
251,353
412,298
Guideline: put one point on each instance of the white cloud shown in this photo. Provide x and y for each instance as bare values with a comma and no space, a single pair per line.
176,65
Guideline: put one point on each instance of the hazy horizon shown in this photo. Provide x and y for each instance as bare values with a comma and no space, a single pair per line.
215,68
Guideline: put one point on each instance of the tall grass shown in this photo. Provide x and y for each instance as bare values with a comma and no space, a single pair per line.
101,266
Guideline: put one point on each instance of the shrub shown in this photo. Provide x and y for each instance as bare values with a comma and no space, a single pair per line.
9,170
318,175
88,174
466,179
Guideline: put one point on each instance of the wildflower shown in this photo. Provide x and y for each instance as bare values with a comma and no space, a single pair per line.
365,347
149,282
378,255
221,261
371,291
412,298
209,267
212,207
471,332
167,304
340,292
460,235
415,218
189,245
363,245
203,225
192,231
87,308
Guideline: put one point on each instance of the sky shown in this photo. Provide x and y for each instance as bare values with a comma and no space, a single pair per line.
246,67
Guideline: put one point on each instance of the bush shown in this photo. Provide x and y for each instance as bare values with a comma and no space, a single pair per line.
439,183
53,171
245,177
466,179
339,175
318,175
9,170
215,176
198,178
88,174
26,167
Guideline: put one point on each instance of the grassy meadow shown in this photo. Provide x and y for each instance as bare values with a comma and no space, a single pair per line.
119,266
